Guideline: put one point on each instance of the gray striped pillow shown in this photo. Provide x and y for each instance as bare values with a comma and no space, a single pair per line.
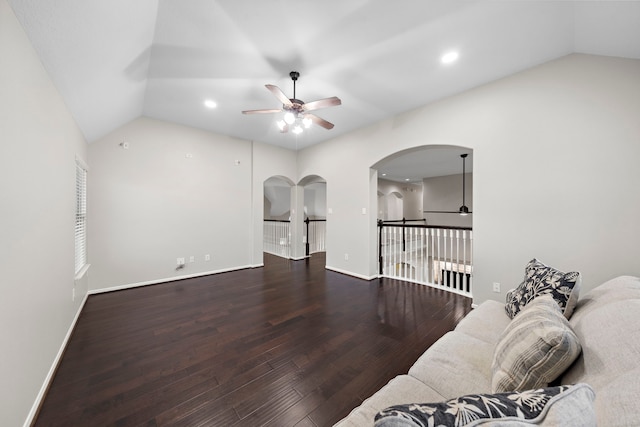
535,348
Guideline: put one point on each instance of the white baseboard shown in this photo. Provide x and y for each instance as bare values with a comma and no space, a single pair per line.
350,273
167,279
54,366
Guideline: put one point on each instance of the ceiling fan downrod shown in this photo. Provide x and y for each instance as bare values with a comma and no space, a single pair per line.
294,76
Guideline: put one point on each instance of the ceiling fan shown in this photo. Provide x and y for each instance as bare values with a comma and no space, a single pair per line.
464,210
297,113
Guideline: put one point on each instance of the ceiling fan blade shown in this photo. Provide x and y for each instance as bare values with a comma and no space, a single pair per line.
447,212
279,94
265,111
320,121
322,103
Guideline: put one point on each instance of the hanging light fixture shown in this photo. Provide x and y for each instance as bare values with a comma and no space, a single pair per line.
464,210
297,115
294,119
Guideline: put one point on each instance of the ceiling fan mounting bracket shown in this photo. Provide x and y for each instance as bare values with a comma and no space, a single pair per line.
294,75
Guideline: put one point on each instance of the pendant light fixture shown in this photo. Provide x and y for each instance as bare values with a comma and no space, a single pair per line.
464,210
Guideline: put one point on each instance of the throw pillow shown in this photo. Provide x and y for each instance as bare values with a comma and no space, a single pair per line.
554,406
540,279
534,349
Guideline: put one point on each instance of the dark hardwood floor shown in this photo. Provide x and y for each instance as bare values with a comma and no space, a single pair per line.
290,344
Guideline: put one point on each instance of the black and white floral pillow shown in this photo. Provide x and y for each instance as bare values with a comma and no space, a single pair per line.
540,279
474,409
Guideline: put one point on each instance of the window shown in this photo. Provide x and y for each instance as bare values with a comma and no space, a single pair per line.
81,216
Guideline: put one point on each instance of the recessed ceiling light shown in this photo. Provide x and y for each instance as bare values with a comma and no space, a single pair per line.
384,174
449,57
209,103
407,179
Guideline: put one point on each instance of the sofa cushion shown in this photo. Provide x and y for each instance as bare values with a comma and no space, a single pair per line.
617,402
609,333
607,324
620,288
554,406
485,322
400,389
456,364
535,349
540,279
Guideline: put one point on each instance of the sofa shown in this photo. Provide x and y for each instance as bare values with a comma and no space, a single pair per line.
606,370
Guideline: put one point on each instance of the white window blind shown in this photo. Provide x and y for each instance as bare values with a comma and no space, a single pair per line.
81,216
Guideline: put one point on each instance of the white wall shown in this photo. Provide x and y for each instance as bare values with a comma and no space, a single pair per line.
444,193
556,152
176,192
37,161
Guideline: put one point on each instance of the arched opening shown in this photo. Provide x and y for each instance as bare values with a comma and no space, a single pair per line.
276,238
424,234
315,214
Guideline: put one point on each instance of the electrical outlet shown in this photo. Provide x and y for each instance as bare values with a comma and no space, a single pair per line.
207,257
180,261
346,257
192,258
73,294
496,287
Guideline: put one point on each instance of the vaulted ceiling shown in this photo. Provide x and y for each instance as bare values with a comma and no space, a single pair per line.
116,60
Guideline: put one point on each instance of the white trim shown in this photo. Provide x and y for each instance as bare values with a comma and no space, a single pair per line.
474,305
82,272
257,265
275,254
165,280
54,367
350,273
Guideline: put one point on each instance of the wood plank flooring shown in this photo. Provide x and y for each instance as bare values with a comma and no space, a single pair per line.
289,344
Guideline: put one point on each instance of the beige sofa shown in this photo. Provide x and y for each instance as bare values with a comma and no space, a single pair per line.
606,322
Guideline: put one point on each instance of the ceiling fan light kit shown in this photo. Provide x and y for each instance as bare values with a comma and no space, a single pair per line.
297,116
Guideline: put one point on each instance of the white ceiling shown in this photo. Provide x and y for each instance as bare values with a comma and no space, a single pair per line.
425,162
115,60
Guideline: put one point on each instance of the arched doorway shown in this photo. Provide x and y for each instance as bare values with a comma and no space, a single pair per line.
276,238
423,237
315,214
